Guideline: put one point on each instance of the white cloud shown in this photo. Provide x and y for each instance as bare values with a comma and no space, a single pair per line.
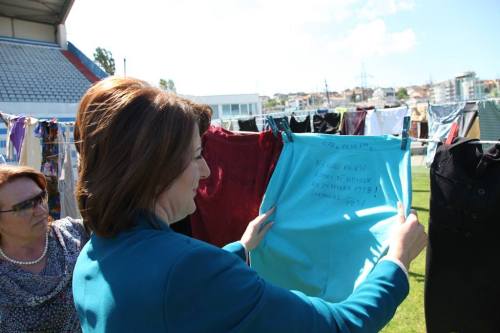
373,39
378,8
229,46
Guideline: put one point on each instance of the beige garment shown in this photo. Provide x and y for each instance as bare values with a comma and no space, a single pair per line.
31,150
226,124
340,110
475,130
419,112
66,181
9,147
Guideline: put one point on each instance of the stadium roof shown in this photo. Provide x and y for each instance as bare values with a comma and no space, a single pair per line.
41,11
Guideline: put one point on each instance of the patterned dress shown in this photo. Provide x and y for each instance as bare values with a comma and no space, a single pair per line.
43,302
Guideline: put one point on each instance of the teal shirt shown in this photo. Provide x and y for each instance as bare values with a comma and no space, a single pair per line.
152,279
336,199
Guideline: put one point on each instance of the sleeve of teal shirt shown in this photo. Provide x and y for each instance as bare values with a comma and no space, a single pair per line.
211,291
236,248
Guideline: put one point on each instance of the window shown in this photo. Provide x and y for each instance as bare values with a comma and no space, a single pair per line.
226,110
215,109
253,108
235,109
244,109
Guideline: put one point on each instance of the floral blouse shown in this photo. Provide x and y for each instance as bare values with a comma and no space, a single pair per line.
43,302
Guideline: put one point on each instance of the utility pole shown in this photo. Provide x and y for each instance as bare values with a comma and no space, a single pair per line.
125,67
364,80
327,94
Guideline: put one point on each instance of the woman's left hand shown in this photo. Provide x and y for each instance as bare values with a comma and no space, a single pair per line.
256,230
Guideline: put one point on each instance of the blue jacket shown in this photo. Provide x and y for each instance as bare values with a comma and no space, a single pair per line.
152,279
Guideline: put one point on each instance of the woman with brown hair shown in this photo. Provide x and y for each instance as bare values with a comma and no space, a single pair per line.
36,257
140,164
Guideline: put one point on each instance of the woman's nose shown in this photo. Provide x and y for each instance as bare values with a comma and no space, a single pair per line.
204,169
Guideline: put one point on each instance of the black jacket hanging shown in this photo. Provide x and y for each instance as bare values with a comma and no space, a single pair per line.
300,126
328,124
462,288
249,125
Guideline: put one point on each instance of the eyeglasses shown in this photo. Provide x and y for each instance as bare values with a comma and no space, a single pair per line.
25,205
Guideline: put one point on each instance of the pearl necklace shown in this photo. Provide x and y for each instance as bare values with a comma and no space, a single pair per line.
31,262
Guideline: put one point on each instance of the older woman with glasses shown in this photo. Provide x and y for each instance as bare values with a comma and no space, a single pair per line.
37,257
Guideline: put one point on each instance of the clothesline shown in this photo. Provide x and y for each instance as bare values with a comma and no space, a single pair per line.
468,101
7,116
439,141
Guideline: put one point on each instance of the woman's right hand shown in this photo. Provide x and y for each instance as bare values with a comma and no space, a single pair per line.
408,240
256,230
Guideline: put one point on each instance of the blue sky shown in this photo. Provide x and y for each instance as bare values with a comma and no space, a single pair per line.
270,46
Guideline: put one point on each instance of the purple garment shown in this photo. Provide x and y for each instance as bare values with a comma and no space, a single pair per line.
17,133
353,123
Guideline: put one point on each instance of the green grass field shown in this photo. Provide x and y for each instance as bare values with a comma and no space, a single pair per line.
409,317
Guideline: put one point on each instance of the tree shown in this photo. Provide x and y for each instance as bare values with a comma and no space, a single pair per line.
494,92
104,58
271,103
167,85
402,94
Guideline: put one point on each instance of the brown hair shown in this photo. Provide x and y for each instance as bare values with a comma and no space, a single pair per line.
133,141
9,173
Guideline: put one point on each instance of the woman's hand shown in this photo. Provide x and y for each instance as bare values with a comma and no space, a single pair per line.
256,230
408,240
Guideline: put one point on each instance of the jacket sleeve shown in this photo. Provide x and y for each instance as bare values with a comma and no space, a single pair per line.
238,249
209,290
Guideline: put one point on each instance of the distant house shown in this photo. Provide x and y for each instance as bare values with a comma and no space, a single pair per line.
465,86
418,94
383,96
298,102
231,106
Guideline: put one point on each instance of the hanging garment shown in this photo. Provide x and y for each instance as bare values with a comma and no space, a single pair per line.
353,123
282,123
31,150
467,119
300,126
50,155
392,119
419,112
372,124
413,132
341,110
424,130
385,121
235,125
66,181
441,117
226,124
474,131
17,134
462,293
249,125
365,108
489,120
241,166
327,123
336,199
